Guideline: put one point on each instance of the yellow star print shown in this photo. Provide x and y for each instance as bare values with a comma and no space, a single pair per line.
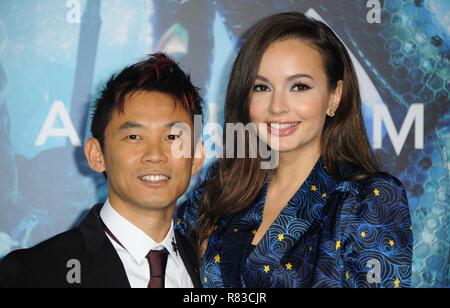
205,280
217,259
324,195
392,243
347,276
180,222
267,268
363,234
338,245
314,188
397,283
289,266
281,237
376,192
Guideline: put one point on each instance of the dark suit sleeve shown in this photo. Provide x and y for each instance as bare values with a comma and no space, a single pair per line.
16,273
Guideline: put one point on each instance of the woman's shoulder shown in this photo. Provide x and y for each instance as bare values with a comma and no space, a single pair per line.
378,192
364,185
382,178
380,183
380,196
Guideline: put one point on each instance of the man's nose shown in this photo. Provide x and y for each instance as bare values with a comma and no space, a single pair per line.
154,153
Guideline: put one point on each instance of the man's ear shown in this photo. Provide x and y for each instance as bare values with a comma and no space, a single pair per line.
199,158
335,98
94,155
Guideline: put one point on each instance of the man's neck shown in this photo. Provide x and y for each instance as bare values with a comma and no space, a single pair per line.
155,223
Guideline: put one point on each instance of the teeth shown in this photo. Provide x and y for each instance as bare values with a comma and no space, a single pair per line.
154,178
282,126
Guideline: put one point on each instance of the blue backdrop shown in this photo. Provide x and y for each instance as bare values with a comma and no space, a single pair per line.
55,54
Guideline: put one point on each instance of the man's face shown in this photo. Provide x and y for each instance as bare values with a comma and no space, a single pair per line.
137,156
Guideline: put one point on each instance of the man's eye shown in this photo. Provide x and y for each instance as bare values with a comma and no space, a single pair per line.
134,137
260,88
299,87
173,137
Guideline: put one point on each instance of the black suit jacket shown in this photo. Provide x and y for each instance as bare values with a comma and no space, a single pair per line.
48,264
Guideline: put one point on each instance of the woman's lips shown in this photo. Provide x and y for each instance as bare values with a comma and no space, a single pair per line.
282,129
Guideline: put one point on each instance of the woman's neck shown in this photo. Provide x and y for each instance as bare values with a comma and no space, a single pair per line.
295,166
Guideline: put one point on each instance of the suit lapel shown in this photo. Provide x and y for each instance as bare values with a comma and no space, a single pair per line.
105,267
189,257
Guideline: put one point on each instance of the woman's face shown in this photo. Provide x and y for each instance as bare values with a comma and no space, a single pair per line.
290,98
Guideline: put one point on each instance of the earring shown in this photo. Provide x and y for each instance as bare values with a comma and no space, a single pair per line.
331,114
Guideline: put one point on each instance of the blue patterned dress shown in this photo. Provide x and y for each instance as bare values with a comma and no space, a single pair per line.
331,234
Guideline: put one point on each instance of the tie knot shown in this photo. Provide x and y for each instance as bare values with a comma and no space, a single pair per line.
157,260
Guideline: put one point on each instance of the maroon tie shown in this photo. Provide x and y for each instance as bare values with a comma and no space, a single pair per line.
157,260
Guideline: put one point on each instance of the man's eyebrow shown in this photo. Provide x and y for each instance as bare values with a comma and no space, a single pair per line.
172,124
130,124
134,124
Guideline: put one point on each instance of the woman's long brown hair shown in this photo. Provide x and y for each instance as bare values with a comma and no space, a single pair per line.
238,181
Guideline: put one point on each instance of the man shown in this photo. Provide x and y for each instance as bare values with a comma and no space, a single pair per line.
142,116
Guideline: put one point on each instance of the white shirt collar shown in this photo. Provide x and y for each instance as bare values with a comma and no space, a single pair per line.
136,242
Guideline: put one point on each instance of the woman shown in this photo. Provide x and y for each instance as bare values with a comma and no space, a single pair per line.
325,216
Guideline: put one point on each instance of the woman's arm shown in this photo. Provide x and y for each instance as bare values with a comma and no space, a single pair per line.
187,212
378,236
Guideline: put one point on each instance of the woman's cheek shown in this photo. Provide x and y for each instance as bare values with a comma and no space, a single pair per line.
309,109
257,112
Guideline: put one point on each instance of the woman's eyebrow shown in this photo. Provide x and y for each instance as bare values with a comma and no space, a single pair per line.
290,78
262,78
297,76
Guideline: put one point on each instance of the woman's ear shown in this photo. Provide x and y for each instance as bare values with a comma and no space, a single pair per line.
94,155
199,158
335,99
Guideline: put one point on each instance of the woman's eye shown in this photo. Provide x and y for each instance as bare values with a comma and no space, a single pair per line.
260,88
299,87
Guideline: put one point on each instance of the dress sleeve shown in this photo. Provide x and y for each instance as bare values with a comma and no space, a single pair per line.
187,212
377,232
